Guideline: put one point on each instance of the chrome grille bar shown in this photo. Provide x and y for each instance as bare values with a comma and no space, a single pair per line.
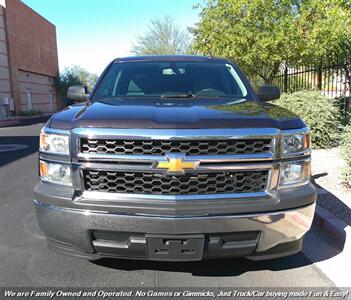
151,158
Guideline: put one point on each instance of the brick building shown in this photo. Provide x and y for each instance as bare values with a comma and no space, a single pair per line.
28,60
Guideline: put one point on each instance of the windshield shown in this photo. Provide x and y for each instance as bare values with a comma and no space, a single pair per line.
180,79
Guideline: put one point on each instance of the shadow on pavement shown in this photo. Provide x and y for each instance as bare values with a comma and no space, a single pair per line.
223,267
11,156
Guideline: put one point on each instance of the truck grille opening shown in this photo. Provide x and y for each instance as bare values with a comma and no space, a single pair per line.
188,147
167,184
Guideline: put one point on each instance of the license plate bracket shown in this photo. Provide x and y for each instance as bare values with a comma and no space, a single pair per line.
175,247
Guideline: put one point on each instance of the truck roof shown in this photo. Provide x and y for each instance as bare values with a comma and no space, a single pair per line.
198,58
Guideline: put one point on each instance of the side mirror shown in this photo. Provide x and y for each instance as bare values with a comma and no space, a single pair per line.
78,93
269,92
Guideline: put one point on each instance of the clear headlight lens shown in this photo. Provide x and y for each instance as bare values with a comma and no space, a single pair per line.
55,172
295,173
295,143
54,143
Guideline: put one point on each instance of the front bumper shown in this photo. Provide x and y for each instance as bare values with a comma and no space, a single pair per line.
96,234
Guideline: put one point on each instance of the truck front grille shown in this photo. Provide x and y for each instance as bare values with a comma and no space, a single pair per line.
188,147
166,184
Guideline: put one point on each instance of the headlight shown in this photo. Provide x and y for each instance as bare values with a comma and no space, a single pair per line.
295,173
55,172
295,144
54,143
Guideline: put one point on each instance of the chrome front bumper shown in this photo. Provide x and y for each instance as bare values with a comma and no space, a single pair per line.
70,230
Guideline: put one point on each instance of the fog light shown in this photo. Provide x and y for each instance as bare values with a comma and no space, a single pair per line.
295,173
56,173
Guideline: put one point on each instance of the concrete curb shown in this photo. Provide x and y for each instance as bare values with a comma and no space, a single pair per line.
328,247
330,225
23,121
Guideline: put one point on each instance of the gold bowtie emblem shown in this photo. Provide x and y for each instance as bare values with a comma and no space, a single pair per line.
177,165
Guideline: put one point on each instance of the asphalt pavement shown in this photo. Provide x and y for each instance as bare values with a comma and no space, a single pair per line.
25,260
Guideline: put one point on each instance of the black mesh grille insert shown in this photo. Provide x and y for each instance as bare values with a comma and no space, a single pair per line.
166,184
188,147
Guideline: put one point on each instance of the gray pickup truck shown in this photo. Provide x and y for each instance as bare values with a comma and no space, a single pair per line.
174,158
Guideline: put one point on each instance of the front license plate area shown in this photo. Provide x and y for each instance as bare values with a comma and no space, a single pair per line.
176,247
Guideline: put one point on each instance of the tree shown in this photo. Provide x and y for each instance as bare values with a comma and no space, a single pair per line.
260,35
163,37
74,75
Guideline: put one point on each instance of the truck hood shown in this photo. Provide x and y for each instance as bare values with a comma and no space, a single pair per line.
175,113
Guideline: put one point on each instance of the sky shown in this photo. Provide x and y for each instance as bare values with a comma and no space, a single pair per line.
91,33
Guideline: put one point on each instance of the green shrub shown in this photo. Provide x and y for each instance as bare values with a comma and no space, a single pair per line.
346,152
29,113
320,113
344,103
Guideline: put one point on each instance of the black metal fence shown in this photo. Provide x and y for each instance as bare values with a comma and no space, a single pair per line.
332,76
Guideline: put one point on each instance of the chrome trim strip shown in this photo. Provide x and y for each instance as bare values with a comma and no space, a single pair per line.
294,185
177,134
201,168
55,182
199,197
252,215
54,160
273,179
241,167
54,153
151,158
297,154
49,130
294,131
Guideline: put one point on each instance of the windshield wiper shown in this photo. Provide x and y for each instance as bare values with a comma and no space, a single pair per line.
187,95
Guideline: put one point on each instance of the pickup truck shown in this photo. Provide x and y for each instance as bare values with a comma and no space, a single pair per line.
174,158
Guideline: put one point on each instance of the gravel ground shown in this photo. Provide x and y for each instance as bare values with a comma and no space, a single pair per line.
333,195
